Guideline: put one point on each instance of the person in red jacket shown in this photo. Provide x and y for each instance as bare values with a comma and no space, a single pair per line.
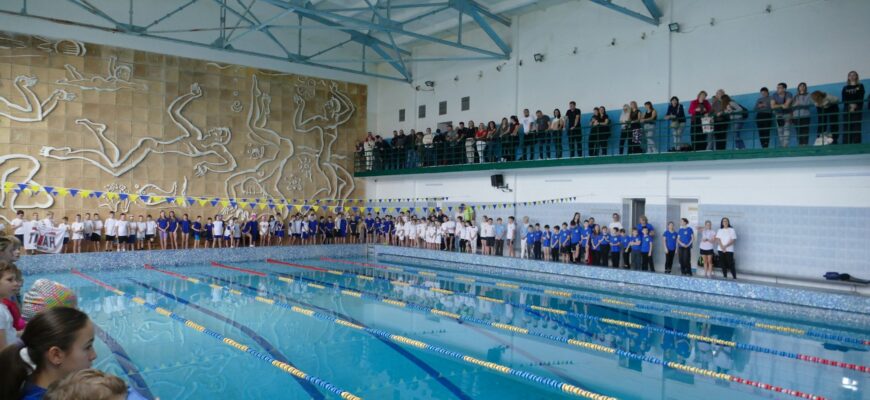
698,109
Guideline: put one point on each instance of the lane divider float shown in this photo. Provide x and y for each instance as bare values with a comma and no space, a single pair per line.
586,345
622,303
553,383
287,368
650,328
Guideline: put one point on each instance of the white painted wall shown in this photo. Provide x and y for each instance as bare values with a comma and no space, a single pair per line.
817,41
838,181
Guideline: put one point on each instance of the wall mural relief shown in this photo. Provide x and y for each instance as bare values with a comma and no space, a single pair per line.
103,118
31,108
117,78
211,145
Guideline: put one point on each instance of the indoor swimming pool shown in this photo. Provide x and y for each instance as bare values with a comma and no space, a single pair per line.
379,329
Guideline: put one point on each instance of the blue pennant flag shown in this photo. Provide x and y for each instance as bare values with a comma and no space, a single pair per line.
143,197
21,187
190,200
97,195
49,189
234,203
73,192
383,209
355,209
271,205
368,209
123,196
449,208
170,200
214,201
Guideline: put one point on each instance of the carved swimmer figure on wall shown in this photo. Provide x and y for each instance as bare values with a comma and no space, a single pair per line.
33,110
117,77
334,112
262,179
190,143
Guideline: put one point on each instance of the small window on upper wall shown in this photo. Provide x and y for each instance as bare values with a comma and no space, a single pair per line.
466,103
421,113
442,108
402,115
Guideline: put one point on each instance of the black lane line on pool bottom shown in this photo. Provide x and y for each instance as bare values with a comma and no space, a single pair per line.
136,381
307,386
398,349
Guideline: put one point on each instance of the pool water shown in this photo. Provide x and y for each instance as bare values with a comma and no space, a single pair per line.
381,330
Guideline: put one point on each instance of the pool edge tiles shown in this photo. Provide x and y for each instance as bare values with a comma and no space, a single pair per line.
749,295
108,261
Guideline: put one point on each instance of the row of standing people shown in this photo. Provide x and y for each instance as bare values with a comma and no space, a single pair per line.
542,136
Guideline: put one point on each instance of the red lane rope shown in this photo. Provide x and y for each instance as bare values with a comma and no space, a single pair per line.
289,264
361,264
177,275
250,271
100,283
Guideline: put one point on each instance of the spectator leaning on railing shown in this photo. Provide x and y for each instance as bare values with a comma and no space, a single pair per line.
853,102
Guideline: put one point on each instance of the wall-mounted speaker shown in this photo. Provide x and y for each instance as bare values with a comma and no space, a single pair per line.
497,181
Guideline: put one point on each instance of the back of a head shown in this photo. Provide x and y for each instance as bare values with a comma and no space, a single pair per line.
55,327
88,384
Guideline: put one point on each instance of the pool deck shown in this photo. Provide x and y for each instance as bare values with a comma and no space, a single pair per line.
807,305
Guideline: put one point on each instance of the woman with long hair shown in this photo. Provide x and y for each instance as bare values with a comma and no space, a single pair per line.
624,129
514,142
554,135
634,129
801,114
725,238
708,239
480,138
55,343
676,114
699,109
853,102
648,119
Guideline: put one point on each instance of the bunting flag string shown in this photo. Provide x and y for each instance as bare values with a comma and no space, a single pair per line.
369,205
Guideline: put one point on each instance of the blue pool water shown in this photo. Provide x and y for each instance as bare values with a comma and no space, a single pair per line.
487,338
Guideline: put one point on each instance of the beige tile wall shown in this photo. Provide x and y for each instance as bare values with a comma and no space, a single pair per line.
276,155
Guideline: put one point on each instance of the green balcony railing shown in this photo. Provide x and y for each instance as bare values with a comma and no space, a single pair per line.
725,136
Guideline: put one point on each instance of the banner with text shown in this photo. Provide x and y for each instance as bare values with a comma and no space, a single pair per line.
42,238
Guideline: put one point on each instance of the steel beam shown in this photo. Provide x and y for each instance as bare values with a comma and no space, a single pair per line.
476,12
358,23
631,13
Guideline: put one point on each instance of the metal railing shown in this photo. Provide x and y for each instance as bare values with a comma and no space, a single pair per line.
723,132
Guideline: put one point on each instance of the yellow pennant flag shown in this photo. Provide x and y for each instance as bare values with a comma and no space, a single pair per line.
202,201
133,198
298,207
280,207
84,193
315,208
111,195
180,201
262,205
157,199
225,203
243,204
61,192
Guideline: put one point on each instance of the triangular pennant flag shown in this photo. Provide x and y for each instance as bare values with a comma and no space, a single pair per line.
133,197
62,192
189,201
202,201
368,209
145,198
97,195
225,203
49,189
170,199
214,202
383,209
156,199
263,206
279,206
449,208
123,196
